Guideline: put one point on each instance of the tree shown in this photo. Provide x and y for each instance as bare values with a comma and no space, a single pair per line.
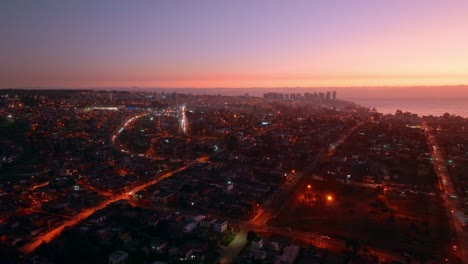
268,142
9,254
354,244
251,235
211,252
231,142
163,230
422,258
414,227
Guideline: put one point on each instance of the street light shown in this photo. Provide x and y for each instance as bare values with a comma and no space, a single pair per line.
255,209
330,198
309,186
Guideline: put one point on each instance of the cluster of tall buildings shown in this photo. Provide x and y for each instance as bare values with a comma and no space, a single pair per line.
299,97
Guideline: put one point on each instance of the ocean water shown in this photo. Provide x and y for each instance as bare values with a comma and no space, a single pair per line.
430,100
420,106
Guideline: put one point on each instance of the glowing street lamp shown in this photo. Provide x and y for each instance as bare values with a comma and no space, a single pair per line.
329,198
309,186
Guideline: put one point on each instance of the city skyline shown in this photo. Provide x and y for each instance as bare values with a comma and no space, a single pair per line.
233,44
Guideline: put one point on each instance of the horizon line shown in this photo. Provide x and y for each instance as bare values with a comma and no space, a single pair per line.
252,87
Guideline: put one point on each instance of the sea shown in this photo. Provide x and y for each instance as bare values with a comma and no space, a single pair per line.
421,106
424,101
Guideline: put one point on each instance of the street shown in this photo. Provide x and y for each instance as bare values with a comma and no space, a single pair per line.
48,236
447,189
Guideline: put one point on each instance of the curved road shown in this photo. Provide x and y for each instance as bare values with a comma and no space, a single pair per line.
85,213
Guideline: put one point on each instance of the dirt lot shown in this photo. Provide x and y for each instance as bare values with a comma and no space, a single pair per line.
413,223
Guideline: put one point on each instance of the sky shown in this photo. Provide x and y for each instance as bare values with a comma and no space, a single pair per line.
241,43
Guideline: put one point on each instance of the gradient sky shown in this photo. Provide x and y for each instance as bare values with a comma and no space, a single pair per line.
233,43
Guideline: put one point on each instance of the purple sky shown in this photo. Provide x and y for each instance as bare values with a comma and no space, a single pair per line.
233,43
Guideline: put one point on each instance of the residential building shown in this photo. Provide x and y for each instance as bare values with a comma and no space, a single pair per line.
118,257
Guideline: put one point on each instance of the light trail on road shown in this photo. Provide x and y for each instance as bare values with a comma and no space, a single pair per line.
29,247
447,189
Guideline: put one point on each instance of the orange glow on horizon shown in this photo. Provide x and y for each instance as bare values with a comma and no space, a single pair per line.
314,44
250,83
250,80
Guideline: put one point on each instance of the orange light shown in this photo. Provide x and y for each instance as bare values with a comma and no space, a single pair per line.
309,186
329,198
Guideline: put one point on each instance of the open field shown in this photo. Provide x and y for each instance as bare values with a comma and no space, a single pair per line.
413,223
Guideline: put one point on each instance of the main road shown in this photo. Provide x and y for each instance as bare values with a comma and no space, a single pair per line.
284,202
449,197
33,244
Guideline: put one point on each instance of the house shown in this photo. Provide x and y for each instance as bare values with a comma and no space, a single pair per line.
178,218
208,222
257,254
228,187
105,234
118,257
289,255
198,218
368,179
163,197
186,252
220,226
364,259
158,245
190,227
257,243
97,220
181,253
125,237
275,246
40,260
